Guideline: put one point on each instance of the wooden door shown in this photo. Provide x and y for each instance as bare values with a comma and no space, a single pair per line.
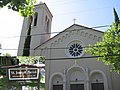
57,87
97,86
77,87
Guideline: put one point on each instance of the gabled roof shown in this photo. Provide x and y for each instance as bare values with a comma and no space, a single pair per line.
44,4
67,30
85,28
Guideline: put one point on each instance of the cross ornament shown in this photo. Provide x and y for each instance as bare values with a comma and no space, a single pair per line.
74,20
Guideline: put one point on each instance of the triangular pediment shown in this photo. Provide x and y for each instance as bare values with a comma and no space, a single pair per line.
75,30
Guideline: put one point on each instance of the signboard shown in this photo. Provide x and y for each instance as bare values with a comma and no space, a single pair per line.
23,73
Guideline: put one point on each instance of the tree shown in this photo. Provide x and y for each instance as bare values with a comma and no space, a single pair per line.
34,60
6,54
108,50
26,49
31,59
3,83
24,7
117,21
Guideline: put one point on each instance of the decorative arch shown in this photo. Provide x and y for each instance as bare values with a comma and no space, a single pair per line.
82,33
90,36
99,39
55,42
75,66
35,18
95,37
70,33
52,44
59,40
56,81
98,76
78,31
76,78
86,34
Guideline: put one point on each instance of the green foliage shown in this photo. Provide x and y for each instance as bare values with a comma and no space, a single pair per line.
26,50
42,86
7,61
6,54
3,83
24,7
31,59
3,72
27,8
108,48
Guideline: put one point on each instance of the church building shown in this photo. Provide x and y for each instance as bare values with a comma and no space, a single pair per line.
67,65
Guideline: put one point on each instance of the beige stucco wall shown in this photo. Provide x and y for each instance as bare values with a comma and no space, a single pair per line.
38,35
55,67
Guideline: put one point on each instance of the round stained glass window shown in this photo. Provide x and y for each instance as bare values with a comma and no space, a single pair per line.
75,49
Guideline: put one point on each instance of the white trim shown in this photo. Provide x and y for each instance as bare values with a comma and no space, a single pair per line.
75,66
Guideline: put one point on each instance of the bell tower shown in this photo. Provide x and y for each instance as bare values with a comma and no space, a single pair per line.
38,26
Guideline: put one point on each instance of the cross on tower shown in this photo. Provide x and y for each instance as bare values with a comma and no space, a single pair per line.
74,20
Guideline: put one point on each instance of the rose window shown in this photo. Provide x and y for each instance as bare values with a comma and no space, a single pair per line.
75,50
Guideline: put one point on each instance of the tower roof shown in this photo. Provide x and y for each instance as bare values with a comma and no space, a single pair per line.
44,4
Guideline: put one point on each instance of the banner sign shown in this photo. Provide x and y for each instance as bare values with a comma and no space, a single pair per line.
23,73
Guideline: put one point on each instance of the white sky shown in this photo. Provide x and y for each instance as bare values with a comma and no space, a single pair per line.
89,13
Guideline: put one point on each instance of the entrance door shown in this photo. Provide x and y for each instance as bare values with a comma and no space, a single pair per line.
77,87
57,87
97,86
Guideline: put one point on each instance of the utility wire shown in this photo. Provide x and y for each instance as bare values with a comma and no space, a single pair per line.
111,45
64,59
81,11
85,28
77,58
85,57
63,2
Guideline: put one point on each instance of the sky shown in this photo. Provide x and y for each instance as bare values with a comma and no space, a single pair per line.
90,13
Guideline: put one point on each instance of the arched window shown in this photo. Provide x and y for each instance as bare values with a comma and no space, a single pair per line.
35,18
47,25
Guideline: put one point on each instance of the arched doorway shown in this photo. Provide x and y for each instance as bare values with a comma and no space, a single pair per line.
76,78
57,82
98,80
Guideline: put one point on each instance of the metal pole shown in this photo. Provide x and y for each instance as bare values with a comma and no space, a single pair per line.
39,80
